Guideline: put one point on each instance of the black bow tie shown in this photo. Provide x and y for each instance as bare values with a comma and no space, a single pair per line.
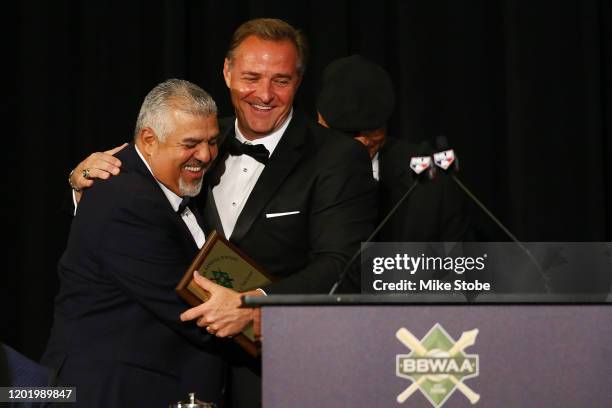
258,151
184,204
191,203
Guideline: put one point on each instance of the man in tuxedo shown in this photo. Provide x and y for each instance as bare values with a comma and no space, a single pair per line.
302,207
116,334
357,98
294,196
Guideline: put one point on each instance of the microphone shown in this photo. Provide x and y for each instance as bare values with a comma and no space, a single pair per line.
424,170
447,161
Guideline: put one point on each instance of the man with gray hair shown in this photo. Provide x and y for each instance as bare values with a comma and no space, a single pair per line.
116,334
296,197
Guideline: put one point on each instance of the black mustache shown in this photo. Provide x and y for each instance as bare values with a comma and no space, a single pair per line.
196,163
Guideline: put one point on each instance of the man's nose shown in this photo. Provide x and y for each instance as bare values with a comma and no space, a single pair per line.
265,91
204,153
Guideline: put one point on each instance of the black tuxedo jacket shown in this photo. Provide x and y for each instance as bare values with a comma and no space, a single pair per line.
116,334
324,176
434,212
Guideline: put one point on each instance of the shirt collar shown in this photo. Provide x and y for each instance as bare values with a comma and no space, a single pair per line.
174,199
376,167
269,141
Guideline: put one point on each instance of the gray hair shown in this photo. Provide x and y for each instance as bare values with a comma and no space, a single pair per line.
172,94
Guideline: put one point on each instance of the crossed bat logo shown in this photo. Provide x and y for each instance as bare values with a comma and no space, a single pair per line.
437,365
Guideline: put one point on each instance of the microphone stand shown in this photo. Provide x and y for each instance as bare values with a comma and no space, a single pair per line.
545,279
382,224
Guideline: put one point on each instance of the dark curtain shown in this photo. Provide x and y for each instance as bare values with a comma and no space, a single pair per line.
521,89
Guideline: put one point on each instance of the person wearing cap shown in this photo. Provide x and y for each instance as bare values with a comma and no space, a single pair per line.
357,98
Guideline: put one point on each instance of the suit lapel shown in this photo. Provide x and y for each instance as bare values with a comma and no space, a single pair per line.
284,158
212,220
140,168
206,199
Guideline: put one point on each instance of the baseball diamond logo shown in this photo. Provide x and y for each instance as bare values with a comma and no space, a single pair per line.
437,364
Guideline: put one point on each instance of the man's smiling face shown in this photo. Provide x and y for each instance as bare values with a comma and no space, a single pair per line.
263,78
181,159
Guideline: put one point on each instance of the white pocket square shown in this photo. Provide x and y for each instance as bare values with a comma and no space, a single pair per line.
273,215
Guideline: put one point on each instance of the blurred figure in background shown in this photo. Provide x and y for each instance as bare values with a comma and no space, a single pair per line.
357,98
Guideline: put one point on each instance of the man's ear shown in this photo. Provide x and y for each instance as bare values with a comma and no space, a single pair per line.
148,141
227,75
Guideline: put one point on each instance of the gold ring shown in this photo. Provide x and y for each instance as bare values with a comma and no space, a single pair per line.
86,174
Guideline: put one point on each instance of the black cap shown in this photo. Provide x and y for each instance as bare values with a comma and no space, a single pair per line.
356,95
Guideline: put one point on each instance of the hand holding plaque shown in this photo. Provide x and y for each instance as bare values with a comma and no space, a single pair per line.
224,264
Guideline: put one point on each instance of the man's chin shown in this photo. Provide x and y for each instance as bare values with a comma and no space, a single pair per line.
190,189
258,128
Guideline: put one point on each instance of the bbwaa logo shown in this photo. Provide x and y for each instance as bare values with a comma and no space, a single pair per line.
437,365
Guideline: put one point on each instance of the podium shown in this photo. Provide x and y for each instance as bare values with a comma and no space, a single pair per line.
344,351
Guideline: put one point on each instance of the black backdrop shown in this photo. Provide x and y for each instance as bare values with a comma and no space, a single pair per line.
520,88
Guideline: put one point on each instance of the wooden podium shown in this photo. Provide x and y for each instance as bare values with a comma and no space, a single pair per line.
344,351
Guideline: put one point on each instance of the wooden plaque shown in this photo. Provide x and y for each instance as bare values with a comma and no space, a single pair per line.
223,263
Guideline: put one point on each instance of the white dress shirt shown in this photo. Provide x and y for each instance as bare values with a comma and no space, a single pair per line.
241,174
375,167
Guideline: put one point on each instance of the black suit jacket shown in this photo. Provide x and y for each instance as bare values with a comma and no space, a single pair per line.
327,178
116,334
434,212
